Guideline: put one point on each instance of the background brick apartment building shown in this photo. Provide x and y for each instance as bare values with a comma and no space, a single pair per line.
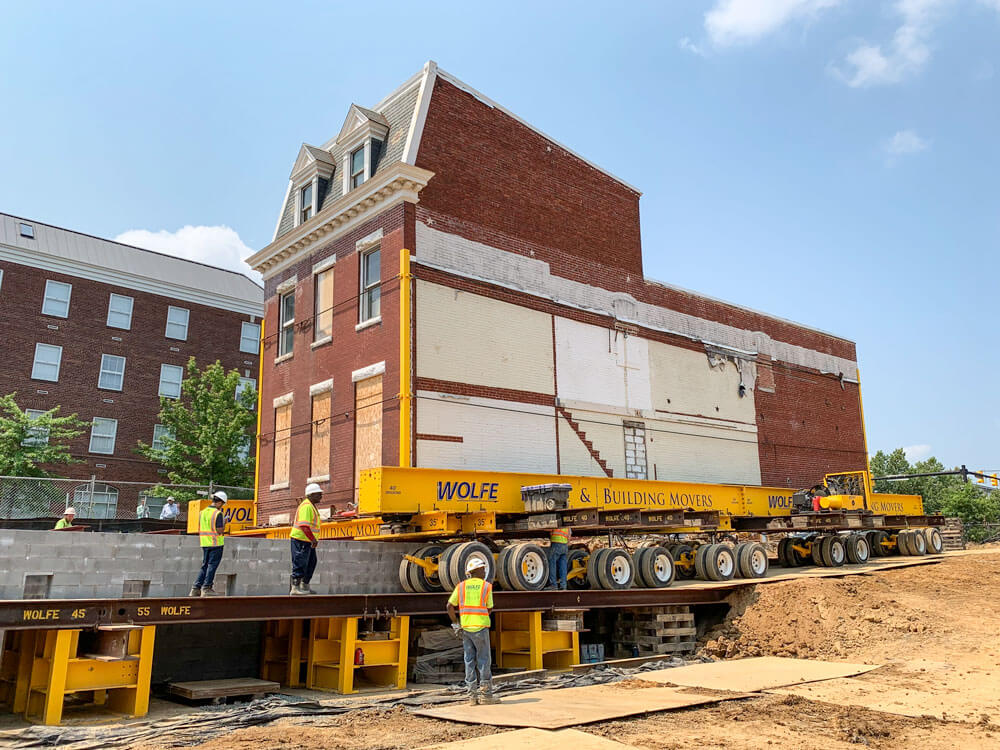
103,329
536,342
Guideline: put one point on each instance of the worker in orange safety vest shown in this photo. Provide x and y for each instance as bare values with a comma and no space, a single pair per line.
559,557
469,608
305,539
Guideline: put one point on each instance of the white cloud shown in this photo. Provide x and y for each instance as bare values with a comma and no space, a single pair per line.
740,21
917,452
688,46
906,142
218,246
907,53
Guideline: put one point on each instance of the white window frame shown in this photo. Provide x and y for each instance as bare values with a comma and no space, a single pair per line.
243,384
111,427
366,287
159,432
303,208
51,287
1,278
36,435
84,501
106,369
252,340
352,174
26,230
39,349
318,275
171,310
286,327
164,369
123,300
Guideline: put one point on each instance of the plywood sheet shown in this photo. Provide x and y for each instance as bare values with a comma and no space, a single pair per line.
536,739
555,709
202,689
754,674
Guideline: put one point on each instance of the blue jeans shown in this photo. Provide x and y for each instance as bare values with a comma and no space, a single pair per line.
303,560
478,658
558,564
210,559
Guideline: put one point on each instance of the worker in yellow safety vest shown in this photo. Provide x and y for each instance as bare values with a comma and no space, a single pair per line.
469,608
211,524
559,557
67,520
305,538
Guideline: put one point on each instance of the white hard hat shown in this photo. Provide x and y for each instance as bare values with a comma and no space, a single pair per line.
71,511
171,499
474,563
220,495
313,489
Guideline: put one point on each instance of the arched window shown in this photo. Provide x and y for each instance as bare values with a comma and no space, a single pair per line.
102,504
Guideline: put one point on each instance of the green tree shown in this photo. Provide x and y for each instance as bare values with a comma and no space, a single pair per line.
28,445
208,429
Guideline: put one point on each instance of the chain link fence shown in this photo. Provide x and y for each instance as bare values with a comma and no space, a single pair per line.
94,498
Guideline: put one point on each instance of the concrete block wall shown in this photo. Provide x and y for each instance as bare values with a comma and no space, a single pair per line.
96,565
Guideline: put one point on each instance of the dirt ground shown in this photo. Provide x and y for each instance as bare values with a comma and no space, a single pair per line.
934,627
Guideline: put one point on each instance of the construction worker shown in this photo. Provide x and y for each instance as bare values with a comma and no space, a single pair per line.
211,524
474,599
559,557
305,538
67,520
170,510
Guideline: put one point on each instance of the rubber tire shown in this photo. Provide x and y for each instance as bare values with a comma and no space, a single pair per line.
875,542
858,550
577,584
419,582
713,562
700,572
604,566
918,542
459,557
783,553
515,562
746,555
646,573
817,553
502,579
903,543
684,573
935,542
593,568
443,568
833,551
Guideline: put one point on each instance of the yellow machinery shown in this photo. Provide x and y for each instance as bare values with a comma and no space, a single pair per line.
656,530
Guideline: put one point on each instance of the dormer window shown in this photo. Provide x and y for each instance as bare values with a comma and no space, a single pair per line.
305,203
357,167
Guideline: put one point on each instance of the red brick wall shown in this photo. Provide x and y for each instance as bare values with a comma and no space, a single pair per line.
349,350
808,427
84,336
492,170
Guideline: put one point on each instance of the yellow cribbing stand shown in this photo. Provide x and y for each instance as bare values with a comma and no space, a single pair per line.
521,643
40,668
284,652
333,642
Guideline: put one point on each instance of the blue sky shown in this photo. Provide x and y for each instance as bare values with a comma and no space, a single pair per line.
834,162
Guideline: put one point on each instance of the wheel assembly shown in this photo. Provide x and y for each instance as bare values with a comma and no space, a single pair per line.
611,569
655,567
580,557
935,542
455,558
414,578
684,555
526,567
877,539
858,549
751,560
817,546
918,542
903,543
717,561
833,552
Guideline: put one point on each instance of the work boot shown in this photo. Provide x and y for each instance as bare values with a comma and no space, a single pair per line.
306,587
298,589
488,699
294,589
209,591
195,591
473,699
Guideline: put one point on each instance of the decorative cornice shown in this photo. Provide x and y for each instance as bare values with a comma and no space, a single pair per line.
399,182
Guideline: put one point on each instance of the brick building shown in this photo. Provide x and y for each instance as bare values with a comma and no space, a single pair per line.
103,329
536,343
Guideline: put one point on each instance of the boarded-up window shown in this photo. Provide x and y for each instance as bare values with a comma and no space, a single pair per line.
323,327
367,426
282,442
319,465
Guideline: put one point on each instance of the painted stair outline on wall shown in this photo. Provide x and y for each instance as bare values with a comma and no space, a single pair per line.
594,453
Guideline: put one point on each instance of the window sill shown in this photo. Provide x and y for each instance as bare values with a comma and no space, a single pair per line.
283,358
322,478
368,323
279,486
324,340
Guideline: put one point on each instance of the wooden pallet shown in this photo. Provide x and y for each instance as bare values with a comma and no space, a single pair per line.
655,630
214,689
